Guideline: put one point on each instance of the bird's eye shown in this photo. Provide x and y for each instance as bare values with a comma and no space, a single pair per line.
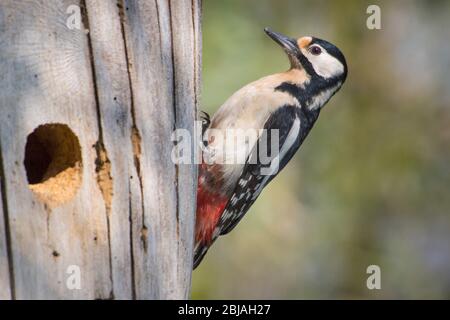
315,50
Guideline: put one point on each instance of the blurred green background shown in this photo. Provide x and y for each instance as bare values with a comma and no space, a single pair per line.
371,183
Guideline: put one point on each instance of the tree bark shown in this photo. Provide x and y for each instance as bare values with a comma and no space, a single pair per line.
92,206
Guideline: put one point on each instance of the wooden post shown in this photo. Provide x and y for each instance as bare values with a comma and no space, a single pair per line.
91,205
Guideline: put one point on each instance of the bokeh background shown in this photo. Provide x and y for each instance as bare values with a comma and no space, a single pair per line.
371,183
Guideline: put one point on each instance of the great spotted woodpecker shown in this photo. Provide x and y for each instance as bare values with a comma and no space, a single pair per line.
289,102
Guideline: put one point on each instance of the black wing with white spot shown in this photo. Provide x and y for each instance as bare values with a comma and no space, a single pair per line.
293,125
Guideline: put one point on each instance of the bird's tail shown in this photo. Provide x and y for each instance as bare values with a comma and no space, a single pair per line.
199,252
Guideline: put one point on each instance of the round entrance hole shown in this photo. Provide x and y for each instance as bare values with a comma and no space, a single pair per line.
53,163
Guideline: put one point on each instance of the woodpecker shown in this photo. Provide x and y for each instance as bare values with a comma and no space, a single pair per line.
289,102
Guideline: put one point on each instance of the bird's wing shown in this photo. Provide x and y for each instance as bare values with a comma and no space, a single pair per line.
293,125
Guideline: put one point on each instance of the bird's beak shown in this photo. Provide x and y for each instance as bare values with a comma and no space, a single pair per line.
288,44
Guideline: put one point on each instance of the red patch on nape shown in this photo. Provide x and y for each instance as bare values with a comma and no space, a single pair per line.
209,209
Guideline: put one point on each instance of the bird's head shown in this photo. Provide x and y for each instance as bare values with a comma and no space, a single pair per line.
319,58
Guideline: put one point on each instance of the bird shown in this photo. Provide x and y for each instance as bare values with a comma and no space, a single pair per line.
286,103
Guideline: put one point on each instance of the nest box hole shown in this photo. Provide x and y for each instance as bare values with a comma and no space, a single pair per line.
53,163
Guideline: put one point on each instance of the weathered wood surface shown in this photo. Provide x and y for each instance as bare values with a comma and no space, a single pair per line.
5,291
122,88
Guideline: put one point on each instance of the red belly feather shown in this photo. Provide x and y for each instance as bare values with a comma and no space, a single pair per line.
210,207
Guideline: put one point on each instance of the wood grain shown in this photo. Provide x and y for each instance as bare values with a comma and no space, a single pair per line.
5,284
122,83
114,104
184,24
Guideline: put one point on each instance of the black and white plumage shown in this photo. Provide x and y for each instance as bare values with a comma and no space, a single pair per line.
289,102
